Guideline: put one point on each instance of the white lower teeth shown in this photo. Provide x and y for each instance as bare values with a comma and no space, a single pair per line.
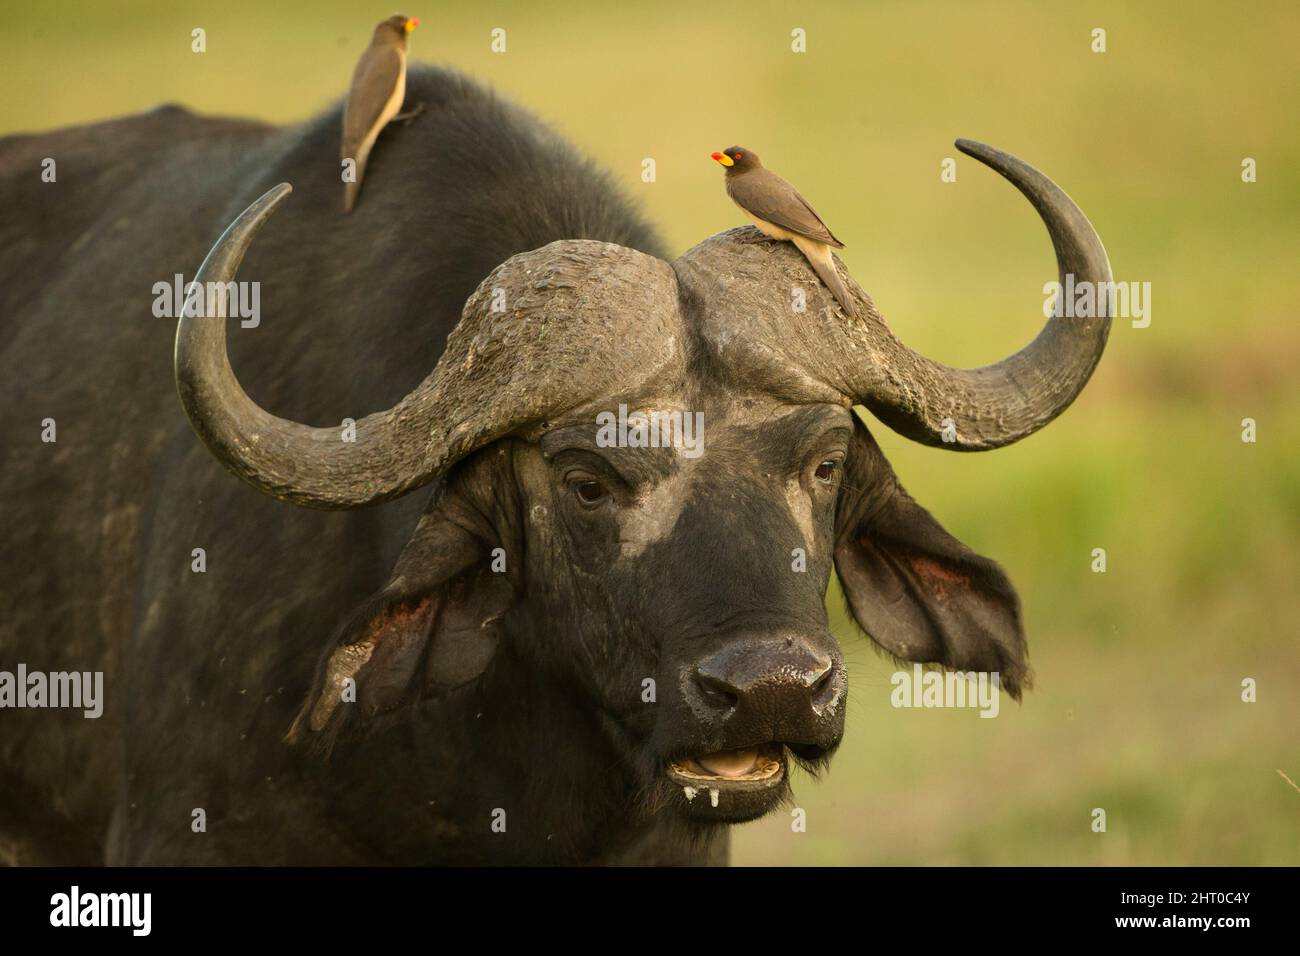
690,793
713,797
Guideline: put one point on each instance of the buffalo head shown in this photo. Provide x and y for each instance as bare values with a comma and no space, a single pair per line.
674,587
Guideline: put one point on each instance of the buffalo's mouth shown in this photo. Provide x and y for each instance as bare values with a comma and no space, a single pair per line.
731,784
754,768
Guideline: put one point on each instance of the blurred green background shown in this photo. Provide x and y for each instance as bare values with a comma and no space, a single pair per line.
1138,707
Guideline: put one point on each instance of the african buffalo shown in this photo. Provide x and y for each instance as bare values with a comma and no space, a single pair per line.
565,649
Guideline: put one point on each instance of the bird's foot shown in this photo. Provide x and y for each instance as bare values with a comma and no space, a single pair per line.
412,113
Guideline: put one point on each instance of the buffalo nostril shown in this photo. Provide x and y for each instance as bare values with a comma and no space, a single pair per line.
717,692
823,687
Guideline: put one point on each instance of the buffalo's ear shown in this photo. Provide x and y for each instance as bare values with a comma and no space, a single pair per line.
432,628
916,590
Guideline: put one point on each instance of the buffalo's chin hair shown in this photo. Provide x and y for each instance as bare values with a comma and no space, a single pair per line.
813,761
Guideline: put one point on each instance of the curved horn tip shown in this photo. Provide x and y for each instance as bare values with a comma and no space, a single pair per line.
266,203
226,255
259,210
990,156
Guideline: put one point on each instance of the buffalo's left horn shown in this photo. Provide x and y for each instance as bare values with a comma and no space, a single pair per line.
804,349
554,348
995,405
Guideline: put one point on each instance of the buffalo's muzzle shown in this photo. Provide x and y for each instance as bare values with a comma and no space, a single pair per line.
780,688
755,698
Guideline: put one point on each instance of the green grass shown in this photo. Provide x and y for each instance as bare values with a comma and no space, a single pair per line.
1137,706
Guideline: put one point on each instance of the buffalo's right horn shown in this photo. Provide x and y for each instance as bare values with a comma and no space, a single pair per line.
582,320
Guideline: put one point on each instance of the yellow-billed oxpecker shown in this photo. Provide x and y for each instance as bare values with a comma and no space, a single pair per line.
375,98
780,212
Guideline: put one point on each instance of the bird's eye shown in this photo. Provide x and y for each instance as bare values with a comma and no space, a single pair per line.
737,156
827,471
589,492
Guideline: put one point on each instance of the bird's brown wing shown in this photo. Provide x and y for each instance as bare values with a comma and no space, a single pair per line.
372,87
764,194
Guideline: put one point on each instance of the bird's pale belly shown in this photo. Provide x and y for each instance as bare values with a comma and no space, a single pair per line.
770,229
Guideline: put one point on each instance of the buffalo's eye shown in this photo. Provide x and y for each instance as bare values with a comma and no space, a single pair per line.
827,470
589,491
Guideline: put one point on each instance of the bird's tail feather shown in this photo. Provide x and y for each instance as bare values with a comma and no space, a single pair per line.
352,189
820,257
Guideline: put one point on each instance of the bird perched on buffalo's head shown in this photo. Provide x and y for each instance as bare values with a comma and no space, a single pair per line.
780,212
375,98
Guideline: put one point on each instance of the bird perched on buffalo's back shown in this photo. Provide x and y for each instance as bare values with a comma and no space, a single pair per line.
375,97
780,212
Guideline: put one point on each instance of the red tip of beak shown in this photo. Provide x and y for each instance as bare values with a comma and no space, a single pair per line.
715,155
415,22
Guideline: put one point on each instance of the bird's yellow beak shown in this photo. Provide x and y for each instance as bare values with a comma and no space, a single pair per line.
724,159
412,23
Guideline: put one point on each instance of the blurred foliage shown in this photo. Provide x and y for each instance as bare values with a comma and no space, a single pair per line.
1137,706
